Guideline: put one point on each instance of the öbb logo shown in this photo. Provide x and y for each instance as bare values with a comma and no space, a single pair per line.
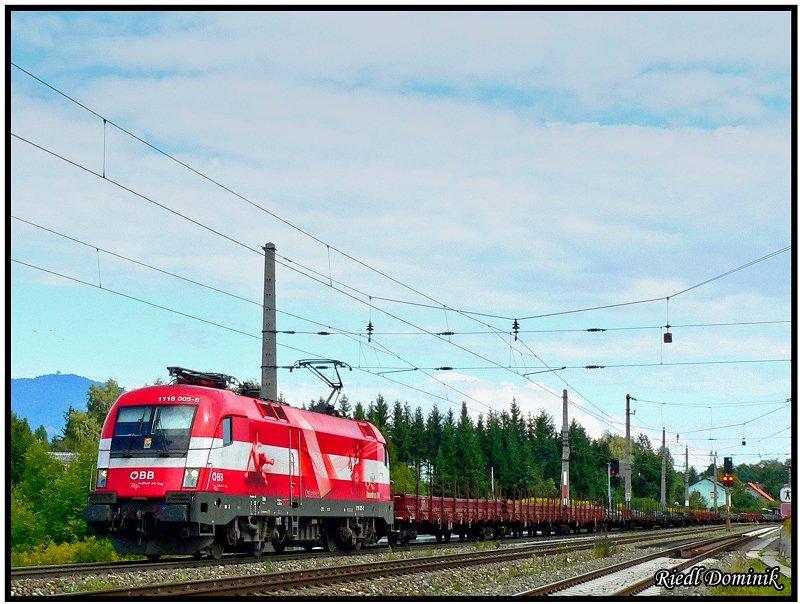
143,475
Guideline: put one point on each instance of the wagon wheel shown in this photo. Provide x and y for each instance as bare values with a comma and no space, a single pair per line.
153,557
280,543
329,540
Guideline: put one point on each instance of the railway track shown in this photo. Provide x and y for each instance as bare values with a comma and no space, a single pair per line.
264,583
637,576
91,568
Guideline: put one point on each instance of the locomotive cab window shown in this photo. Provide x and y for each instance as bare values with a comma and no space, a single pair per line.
152,430
227,431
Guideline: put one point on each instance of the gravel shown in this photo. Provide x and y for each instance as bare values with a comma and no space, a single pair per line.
500,579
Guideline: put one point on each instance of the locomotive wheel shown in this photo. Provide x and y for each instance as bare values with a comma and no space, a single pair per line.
256,548
358,544
279,545
216,550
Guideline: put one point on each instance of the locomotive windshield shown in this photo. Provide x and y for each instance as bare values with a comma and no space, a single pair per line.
152,430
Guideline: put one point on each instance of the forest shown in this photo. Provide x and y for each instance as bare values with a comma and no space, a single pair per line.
504,452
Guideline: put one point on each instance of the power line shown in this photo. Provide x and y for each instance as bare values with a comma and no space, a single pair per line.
289,266
739,423
215,324
134,298
329,247
350,332
719,405
441,307
259,253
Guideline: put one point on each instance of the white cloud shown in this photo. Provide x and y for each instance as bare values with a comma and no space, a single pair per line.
515,164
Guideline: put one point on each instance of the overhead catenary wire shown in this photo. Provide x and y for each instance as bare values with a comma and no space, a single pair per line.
172,274
287,265
206,321
610,421
376,332
292,265
440,306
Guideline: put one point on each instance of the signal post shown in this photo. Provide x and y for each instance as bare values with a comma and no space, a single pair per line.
727,482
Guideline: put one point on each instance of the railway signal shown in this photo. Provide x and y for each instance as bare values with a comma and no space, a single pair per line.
727,472
614,471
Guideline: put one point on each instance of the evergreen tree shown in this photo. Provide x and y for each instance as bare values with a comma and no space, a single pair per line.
446,466
358,411
493,452
512,470
400,430
433,435
378,414
583,468
468,456
344,406
417,443
41,434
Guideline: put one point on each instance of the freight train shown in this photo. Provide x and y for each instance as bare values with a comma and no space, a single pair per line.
195,468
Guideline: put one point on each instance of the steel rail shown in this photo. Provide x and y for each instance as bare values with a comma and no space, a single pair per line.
715,544
61,570
283,580
701,555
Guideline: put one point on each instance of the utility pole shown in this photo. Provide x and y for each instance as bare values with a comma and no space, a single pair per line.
628,398
565,455
608,476
686,482
663,469
716,510
269,356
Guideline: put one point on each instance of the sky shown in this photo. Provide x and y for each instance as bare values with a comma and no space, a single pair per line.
595,175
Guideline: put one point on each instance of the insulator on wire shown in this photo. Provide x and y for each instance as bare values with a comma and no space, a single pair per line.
370,329
515,329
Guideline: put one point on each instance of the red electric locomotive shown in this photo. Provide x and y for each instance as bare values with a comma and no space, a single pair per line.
195,468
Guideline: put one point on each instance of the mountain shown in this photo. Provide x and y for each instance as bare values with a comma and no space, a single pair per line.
45,399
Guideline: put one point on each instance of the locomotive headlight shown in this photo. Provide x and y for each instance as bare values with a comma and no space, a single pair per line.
102,477
190,478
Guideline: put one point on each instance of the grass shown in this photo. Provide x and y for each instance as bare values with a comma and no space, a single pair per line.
742,566
89,550
603,547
